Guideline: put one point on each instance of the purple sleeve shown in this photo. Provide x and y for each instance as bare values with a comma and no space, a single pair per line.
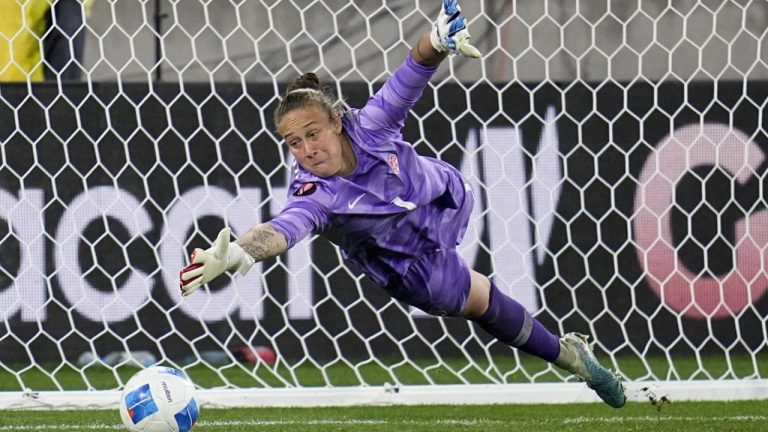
390,105
303,214
294,224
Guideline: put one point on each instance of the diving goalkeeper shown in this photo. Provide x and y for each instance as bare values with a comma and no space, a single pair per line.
395,214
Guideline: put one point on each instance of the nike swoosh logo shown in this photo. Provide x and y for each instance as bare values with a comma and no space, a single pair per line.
354,203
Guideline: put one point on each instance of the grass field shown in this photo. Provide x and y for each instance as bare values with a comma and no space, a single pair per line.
689,417
744,416
40,377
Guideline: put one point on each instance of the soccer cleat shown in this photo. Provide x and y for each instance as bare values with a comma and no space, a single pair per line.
579,359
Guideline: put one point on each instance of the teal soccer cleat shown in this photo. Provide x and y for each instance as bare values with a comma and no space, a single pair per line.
577,356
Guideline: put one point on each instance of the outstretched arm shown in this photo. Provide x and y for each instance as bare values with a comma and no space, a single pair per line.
259,243
263,241
388,109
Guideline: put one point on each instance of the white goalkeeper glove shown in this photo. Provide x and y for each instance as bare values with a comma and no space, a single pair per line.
206,265
450,31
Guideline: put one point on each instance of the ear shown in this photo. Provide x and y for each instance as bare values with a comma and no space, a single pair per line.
336,123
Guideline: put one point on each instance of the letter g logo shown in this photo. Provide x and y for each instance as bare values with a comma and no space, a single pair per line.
694,294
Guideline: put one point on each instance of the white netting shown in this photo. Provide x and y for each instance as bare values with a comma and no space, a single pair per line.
619,148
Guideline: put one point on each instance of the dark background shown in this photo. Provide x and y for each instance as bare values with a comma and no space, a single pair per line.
157,141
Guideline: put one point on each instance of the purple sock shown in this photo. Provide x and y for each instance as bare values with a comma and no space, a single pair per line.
509,322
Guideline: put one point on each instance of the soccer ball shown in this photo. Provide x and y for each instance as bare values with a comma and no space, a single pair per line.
159,399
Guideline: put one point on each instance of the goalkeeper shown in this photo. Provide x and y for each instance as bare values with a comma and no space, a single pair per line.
395,214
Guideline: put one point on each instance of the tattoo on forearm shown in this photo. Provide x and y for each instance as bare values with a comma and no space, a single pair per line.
261,245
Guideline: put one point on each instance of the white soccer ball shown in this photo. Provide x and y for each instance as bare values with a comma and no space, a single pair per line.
159,399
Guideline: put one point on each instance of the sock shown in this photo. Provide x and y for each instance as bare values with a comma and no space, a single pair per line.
509,322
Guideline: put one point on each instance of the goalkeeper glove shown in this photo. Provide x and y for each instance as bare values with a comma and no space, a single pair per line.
450,31
207,264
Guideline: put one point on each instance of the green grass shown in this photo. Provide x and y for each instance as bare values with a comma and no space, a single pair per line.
676,416
504,369
749,416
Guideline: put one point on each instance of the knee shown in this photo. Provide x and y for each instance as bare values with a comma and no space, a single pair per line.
445,306
479,295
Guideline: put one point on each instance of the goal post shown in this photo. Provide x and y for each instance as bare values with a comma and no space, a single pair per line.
618,150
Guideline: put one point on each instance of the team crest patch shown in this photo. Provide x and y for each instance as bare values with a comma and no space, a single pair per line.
394,164
306,189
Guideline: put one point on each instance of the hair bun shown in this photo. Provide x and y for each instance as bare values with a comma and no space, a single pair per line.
307,80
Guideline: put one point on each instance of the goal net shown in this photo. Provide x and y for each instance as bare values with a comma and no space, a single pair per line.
618,150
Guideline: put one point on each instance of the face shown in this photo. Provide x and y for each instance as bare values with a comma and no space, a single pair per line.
316,141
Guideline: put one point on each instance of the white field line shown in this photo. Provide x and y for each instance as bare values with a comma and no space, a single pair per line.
661,418
468,422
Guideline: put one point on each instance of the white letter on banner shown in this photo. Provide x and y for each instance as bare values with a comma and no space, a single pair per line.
513,252
27,292
99,203
299,263
240,213
470,170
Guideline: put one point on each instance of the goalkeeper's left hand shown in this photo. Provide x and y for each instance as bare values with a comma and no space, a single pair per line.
206,265
450,31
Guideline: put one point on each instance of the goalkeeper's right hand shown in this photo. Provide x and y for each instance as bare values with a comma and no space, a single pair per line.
206,265
450,31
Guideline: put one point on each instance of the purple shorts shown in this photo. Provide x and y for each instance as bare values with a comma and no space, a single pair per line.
437,283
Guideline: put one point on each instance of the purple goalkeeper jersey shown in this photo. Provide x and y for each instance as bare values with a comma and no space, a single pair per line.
396,205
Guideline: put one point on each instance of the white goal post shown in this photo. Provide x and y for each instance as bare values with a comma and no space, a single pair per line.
620,151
